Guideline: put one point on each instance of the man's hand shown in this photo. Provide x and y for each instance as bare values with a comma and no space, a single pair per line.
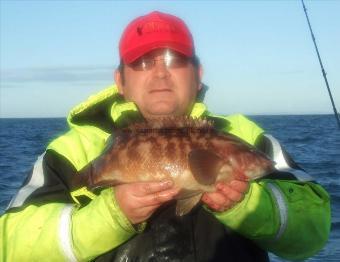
226,195
139,200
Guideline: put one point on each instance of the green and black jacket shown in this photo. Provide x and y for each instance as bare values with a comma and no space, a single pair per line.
51,219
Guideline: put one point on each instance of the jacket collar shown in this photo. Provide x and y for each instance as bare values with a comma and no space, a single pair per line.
108,110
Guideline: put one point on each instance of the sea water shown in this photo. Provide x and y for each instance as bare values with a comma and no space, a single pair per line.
312,140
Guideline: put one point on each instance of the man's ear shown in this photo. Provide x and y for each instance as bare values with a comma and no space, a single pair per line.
200,75
118,80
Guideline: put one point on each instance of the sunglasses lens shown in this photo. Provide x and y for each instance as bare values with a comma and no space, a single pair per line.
177,62
142,64
170,61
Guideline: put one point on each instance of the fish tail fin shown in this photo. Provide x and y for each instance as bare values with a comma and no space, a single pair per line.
84,177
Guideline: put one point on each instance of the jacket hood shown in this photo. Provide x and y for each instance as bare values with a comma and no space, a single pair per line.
108,109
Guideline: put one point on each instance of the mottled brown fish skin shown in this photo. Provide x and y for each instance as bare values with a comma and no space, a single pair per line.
190,152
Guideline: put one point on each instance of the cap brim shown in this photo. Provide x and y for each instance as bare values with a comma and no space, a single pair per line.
136,53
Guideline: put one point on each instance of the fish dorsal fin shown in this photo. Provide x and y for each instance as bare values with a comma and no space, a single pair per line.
184,206
172,123
204,165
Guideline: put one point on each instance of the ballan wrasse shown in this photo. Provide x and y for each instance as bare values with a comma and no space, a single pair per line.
190,152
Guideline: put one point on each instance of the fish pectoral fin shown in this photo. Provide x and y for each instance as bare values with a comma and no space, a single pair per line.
205,165
184,206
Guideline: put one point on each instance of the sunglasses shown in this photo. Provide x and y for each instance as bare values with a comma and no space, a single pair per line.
170,60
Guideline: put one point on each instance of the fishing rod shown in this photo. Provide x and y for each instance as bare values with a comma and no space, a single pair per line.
336,114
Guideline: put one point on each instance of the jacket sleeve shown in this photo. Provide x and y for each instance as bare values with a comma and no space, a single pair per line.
42,221
286,213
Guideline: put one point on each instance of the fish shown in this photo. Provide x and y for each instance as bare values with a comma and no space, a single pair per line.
190,152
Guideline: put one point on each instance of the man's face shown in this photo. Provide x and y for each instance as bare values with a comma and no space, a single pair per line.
157,89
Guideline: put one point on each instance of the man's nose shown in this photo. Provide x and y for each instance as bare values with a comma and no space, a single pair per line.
161,69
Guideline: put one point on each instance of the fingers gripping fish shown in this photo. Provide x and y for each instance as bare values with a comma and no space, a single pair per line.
188,151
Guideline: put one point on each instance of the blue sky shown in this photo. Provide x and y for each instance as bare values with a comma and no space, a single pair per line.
258,56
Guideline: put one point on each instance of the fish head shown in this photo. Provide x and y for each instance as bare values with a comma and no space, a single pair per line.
242,160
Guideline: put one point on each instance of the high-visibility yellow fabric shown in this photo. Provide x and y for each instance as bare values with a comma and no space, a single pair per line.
32,234
101,225
308,222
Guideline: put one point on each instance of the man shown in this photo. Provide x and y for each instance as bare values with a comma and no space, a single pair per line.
52,218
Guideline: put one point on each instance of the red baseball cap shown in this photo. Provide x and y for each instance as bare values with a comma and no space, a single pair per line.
152,31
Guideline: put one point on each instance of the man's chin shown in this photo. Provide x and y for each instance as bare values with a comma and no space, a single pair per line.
159,112
153,115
